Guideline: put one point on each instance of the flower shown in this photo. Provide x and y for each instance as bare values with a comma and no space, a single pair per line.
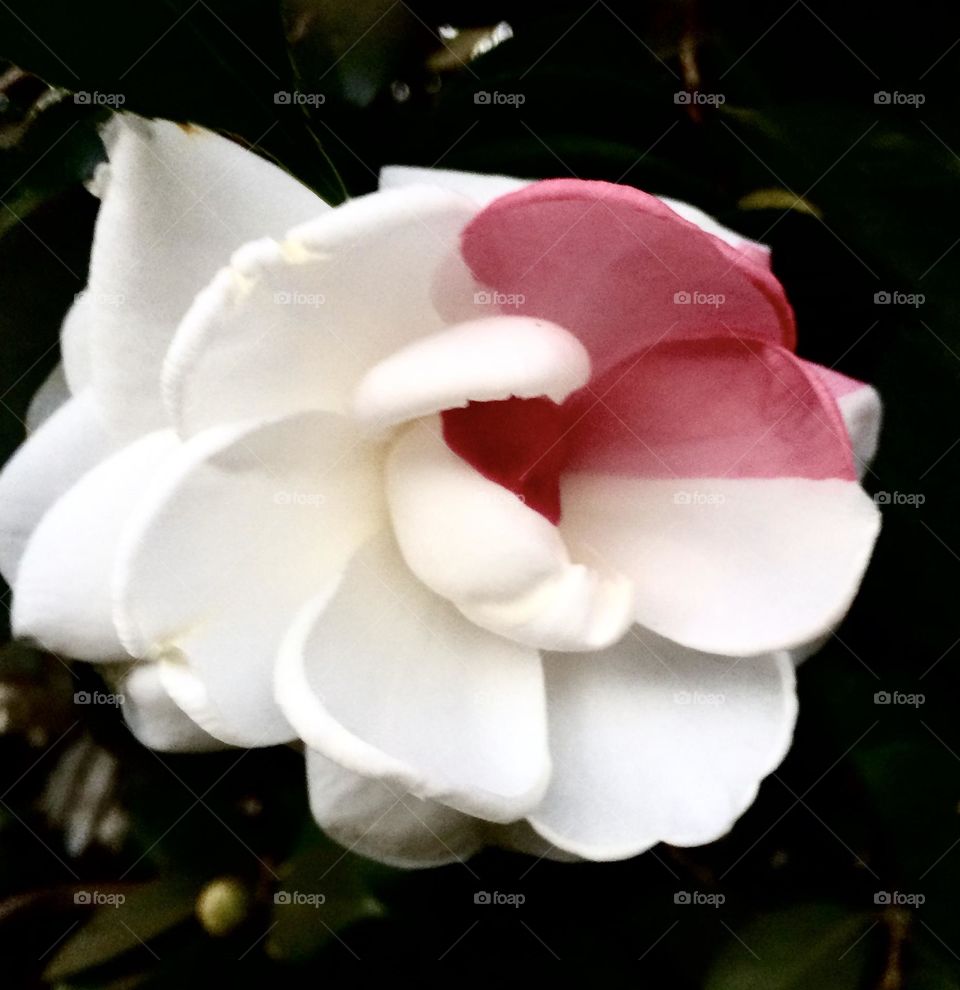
510,500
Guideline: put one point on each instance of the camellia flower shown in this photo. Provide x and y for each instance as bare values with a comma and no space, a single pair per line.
510,500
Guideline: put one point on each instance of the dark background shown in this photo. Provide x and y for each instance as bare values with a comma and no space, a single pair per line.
856,197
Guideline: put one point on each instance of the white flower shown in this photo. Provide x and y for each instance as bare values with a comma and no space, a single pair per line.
508,500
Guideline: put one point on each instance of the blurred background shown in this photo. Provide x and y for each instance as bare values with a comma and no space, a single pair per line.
829,132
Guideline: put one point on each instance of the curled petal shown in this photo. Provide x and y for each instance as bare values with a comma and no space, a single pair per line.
292,326
503,564
483,360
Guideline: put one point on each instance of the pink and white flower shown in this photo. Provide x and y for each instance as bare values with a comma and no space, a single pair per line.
511,501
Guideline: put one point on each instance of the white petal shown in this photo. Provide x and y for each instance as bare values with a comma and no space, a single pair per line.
521,837
389,681
474,185
155,719
251,521
503,564
374,819
479,361
62,596
736,566
47,399
177,201
861,410
484,188
656,743
293,326
64,447
76,341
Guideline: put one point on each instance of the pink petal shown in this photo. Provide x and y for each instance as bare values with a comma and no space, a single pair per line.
710,408
607,263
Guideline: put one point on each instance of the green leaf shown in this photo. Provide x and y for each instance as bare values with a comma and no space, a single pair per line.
323,890
145,913
810,945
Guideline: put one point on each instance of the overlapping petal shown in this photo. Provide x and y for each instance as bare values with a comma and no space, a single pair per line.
155,718
620,269
251,521
63,448
652,742
737,566
63,592
294,325
373,818
177,200
389,681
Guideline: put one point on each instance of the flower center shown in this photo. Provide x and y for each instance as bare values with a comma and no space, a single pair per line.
517,443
